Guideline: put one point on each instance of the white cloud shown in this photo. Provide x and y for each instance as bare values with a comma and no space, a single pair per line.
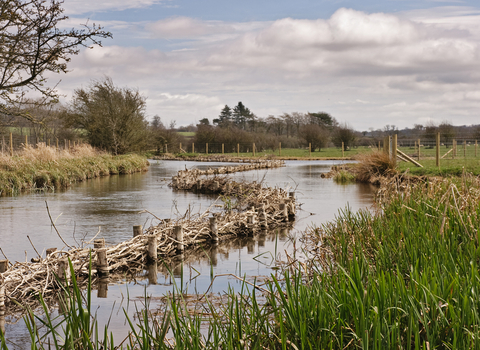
411,65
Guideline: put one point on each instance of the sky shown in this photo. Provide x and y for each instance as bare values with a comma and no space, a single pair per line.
367,63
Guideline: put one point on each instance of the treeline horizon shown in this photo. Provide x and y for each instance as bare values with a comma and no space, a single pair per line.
121,126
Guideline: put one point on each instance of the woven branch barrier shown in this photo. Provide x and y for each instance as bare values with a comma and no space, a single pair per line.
248,208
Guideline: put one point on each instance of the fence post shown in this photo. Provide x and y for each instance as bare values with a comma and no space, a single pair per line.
394,149
253,149
343,150
464,148
180,148
279,149
223,148
11,145
206,148
437,150
26,141
386,145
238,149
310,149
193,147
57,143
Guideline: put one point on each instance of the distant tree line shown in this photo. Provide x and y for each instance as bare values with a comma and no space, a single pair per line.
292,130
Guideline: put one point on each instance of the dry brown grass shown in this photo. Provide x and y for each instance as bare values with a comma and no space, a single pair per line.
43,153
371,166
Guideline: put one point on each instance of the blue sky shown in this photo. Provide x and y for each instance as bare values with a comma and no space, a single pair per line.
367,63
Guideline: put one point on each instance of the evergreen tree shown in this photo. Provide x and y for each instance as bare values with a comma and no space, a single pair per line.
225,117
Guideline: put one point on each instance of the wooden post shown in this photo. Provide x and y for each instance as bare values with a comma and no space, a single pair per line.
152,273
343,150
50,251
11,145
65,143
178,232
3,266
253,149
386,145
57,143
180,148
152,248
69,144
48,142
213,228
309,149
238,149
418,142
464,148
437,150
279,149
137,230
193,147
283,211
63,270
223,148
102,262
26,140
394,149
206,148
454,147
99,243
475,148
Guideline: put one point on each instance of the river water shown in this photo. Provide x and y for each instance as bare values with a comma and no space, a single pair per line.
114,204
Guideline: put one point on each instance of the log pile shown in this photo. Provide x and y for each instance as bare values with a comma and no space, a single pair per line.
248,208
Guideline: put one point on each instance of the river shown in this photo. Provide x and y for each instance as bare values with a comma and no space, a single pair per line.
114,204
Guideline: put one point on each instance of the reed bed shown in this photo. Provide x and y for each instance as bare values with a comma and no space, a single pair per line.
48,168
24,281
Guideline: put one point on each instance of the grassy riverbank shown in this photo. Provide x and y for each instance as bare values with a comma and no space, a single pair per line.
46,168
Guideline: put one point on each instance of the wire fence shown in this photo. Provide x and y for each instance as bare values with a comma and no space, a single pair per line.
11,143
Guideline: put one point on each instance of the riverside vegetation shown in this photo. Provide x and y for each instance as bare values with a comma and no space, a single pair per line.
48,168
403,277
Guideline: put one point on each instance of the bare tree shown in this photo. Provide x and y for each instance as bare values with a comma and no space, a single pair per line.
112,117
31,45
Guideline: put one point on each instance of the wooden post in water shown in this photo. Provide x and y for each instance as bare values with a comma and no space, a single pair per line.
283,211
11,145
50,251
152,273
262,217
437,150
63,271
343,150
178,232
99,243
152,248
238,149
137,230
102,262
279,149
3,266
213,228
